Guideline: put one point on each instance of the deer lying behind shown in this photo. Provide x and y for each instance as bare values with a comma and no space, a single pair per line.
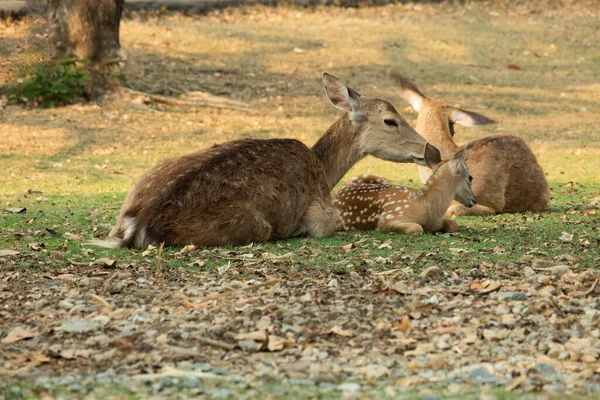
256,190
368,202
507,177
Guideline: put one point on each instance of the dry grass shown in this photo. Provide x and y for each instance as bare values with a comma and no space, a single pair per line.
273,59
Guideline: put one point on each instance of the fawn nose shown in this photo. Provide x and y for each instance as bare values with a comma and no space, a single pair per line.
432,156
472,202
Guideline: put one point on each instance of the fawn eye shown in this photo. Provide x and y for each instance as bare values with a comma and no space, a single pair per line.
470,178
390,122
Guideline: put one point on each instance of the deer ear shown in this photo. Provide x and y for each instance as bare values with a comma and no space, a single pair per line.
408,91
341,96
458,160
468,118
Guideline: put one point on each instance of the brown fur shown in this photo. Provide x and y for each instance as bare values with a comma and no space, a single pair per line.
368,202
257,190
506,175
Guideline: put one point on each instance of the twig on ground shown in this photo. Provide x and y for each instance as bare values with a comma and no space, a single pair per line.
209,101
108,281
591,289
99,300
216,343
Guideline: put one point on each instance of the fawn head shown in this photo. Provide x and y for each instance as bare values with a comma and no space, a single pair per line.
463,178
380,130
436,119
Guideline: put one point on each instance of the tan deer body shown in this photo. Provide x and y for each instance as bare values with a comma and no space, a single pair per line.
506,175
368,202
258,190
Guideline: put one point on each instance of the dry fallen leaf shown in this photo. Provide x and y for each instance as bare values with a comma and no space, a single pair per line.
16,210
403,325
277,343
485,287
8,252
429,272
340,332
259,336
346,248
18,335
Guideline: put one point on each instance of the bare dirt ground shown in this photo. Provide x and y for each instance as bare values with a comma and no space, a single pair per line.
503,307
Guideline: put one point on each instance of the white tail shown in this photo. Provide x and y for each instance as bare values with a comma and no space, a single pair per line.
507,176
368,202
256,190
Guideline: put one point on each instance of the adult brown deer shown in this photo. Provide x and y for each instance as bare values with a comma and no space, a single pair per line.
368,202
506,175
257,190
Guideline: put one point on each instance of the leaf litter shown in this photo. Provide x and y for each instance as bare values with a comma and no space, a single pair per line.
531,326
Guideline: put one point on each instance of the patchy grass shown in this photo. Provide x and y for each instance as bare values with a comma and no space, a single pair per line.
531,68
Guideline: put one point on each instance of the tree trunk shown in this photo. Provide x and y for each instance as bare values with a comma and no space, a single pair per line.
87,30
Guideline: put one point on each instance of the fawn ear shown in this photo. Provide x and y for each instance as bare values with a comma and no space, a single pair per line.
468,118
408,91
458,161
341,96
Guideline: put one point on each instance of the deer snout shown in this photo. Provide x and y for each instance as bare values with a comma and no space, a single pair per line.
472,201
432,156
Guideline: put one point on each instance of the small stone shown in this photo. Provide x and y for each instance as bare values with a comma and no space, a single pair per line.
166,381
544,371
540,263
43,381
302,382
249,345
512,296
79,326
219,393
202,366
106,377
589,359
560,270
333,283
480,376
349,387
66,304
191,382
142,281
508,320
66,381
528,272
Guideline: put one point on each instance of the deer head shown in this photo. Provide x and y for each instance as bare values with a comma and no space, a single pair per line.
463,178
436,119
378,128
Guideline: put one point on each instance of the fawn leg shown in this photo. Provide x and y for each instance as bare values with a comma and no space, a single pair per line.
449,226
409,228
478,209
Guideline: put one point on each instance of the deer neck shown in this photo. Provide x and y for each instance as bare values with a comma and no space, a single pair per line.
338,150
437,193
437,132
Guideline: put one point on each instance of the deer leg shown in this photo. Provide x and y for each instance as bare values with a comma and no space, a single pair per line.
478,210
449,226
409,228
321,219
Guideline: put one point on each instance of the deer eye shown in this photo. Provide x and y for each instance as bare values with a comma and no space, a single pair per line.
470,178
390,122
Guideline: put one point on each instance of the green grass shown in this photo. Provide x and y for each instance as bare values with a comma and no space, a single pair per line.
51,222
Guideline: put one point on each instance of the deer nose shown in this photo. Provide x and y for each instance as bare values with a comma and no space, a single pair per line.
472,202
432,156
